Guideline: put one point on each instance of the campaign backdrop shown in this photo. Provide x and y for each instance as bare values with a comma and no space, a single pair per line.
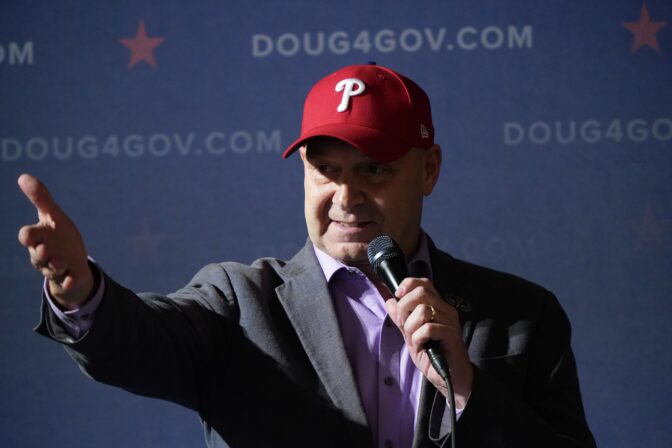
159,125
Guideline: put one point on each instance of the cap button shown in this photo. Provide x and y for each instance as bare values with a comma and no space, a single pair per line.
372,63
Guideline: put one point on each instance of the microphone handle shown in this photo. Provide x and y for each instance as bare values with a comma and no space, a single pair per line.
437,359
393,272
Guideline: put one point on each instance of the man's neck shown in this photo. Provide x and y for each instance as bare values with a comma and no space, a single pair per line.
364,265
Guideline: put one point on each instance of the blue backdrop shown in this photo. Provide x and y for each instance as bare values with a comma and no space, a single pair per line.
158,126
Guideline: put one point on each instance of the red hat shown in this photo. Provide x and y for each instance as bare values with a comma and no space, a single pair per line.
373,108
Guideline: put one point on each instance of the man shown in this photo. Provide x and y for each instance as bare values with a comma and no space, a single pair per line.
315,351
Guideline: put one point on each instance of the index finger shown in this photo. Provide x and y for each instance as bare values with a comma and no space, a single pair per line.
38,194
410,283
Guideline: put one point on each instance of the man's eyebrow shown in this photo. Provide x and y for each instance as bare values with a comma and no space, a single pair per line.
315,156
315,149
320,153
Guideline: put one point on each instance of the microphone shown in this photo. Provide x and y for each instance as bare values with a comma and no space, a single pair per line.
389,263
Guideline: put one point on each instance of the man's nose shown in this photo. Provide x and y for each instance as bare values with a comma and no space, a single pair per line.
348,195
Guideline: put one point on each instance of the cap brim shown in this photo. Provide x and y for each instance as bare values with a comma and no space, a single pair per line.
370,141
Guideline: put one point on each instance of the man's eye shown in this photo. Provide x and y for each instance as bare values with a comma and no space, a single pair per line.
325,169
375,169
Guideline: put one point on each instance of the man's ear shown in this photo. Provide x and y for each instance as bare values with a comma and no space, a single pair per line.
302,152
433,159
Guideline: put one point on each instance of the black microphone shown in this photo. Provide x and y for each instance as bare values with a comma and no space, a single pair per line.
389,263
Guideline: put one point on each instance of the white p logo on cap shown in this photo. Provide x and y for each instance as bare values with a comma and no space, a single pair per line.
347,86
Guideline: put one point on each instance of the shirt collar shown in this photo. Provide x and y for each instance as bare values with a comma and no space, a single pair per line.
330,265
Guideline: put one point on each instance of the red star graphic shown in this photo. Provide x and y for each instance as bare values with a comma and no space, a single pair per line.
644,31
142,47
146,243
650,228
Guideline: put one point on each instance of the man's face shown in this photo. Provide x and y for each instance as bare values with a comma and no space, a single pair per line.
351,198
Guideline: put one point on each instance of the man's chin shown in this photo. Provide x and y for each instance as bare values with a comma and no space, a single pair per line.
350,253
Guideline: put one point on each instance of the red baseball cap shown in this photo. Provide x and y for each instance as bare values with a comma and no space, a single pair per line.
375,109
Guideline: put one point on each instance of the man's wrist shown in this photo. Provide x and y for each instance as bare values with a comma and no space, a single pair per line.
72,305
77,321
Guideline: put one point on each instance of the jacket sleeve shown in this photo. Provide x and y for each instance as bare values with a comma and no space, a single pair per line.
154,345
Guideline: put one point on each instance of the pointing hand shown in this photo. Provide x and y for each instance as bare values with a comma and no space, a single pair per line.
56,247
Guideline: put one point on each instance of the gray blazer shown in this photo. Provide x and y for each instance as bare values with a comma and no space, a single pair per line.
256,351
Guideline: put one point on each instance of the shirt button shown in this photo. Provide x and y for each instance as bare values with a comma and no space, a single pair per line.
388,444
388,322
388,380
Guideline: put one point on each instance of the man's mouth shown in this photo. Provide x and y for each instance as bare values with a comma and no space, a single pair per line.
352,224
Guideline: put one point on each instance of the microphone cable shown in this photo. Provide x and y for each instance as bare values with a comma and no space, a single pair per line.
441,366
388,262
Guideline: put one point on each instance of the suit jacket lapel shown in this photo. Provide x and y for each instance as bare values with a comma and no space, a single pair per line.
451,287
307,302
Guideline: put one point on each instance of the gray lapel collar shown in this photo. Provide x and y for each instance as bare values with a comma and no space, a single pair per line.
306,300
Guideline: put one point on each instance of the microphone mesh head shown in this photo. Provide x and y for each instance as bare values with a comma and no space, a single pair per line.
382,248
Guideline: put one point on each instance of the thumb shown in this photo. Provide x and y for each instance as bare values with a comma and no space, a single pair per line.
38,194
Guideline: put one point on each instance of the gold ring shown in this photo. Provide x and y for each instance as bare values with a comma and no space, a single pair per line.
431,319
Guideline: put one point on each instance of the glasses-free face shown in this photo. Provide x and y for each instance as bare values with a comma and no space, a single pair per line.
351,198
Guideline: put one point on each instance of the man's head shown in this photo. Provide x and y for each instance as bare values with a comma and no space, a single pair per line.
367,144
